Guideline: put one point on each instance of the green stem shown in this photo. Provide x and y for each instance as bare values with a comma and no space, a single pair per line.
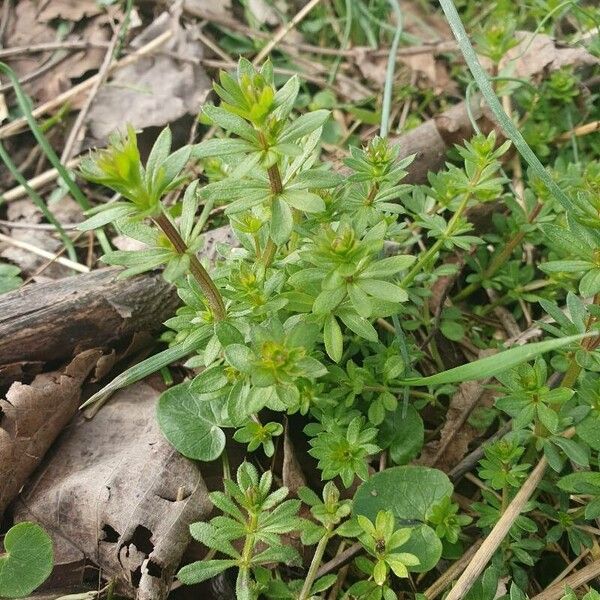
433,250
215,300
314,566
276,188
500,258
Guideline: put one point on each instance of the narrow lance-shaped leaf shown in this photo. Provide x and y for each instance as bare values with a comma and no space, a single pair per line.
492,365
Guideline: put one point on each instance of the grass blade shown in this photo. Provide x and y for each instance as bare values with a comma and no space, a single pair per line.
498,363
488,93
147,367
38,201
25,106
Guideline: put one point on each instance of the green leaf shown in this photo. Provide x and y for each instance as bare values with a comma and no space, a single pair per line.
360,326
303,125
9,278
240,357
581,483
426,546
334,341
409,492
590,283
493,365
304,201
220,147
111,213
230,122
403,435
383,290
27,562
282,222
210,380
190,424
388,267
589,431
159,153
200,571
576,452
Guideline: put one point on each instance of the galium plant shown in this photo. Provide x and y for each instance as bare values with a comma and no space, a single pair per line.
322,311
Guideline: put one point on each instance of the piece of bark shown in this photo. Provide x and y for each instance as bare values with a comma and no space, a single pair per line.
114,493
31,418
50,322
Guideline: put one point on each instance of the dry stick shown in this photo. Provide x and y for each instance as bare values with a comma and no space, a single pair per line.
101,77
498,533
37,182
40,252
50,47
38,226
285,30
579,131
19,124
557,590
440,584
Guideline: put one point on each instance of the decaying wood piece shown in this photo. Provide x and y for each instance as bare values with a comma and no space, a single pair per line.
114,493
50,322
31,418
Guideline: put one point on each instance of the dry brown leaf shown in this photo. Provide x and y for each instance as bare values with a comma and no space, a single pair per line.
116,494
32,416
291,472
536,53
26,28
457,433
154,90
70,10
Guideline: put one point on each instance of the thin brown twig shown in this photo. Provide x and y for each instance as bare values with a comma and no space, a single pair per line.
303,12
51,47
44,253
101,77
19,124
38,226
557,590
37,182
442,582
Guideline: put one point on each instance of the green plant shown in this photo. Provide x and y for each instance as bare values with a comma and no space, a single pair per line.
322,311
27,561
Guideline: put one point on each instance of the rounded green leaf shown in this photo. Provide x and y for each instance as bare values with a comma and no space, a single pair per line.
27,562
191,425
402,434
409,492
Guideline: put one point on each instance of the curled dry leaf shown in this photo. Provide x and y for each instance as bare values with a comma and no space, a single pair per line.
115,494
457,433
32,416
536,53
25,27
